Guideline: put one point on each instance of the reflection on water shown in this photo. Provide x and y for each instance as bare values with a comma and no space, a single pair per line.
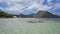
39,21
29,26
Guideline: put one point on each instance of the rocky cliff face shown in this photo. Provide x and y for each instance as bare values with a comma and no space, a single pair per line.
44,14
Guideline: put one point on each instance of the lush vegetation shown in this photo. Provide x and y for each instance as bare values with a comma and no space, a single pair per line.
6,15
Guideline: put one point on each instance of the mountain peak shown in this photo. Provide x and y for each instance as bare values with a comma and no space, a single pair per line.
45,14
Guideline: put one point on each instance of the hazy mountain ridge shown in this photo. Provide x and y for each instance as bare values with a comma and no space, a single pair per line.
45,14
40,14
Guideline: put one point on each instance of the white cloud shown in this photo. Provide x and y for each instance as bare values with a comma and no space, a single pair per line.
1,1
16,1
33,5
41,1
49,0
39,7
1,8
9,2
15,7
57,5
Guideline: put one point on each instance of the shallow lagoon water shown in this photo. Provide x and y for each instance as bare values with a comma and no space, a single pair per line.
22,26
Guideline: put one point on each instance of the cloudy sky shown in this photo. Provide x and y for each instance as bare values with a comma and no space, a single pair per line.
30,6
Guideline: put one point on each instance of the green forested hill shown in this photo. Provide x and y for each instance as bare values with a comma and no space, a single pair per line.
3,14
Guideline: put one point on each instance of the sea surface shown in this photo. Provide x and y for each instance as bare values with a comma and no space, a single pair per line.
29,26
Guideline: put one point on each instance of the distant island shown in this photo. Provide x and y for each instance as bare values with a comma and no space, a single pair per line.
39,14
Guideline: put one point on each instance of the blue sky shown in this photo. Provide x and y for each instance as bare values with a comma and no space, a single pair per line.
30,6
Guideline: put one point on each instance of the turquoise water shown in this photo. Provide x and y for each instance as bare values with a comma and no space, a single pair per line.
22,26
